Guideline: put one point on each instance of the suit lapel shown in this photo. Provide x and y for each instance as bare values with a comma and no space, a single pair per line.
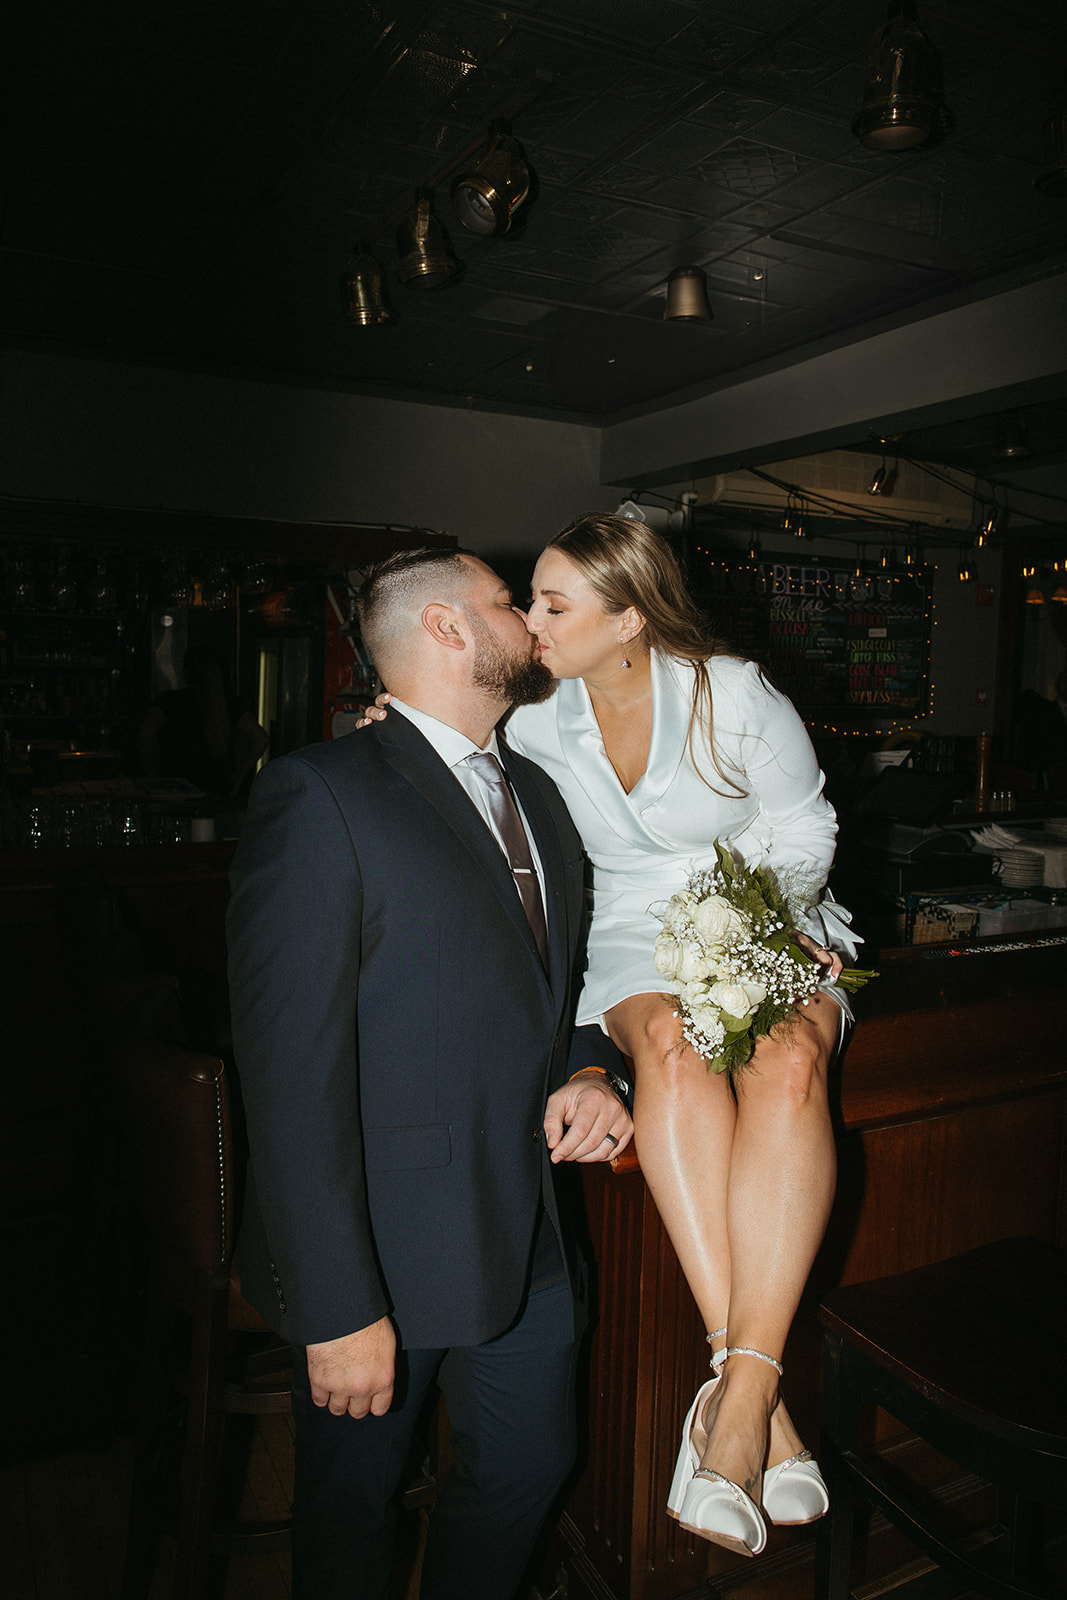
417,761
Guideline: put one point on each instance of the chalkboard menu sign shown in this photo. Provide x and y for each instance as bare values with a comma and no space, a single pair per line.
836,638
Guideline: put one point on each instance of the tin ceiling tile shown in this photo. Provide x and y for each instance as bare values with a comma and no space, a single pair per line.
238,152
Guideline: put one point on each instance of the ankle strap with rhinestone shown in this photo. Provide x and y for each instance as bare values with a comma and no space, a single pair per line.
717,1356
747,1350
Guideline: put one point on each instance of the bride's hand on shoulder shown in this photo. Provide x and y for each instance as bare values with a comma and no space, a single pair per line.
376,712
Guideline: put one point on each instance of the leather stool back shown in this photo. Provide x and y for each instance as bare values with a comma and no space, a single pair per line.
202,1341
971,1355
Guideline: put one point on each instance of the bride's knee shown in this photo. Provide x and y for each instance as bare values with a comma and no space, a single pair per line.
661,1052
789,1069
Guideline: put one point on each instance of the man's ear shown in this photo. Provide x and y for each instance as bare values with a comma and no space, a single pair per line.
442,624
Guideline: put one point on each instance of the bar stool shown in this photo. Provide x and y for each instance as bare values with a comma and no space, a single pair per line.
207,1352
970,1354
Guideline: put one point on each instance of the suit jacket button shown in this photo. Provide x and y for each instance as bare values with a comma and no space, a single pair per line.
537,1135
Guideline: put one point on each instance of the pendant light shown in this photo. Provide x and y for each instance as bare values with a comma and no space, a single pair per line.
899,98
687,296
1052,179
426,258
361,290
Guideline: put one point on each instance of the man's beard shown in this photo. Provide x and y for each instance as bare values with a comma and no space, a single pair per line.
519,680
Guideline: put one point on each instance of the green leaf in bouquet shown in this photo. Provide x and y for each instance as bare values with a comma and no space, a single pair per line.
726,862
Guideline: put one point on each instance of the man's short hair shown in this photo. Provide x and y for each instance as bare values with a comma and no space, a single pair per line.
394,592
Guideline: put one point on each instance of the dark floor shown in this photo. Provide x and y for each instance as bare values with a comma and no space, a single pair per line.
63,1525
63,1521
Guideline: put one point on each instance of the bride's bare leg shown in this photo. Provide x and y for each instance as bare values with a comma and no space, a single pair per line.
782,1176
684,1119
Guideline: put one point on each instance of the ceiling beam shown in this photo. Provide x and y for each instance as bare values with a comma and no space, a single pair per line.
1006,350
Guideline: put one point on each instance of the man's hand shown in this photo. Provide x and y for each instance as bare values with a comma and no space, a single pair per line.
355,1373
586,1120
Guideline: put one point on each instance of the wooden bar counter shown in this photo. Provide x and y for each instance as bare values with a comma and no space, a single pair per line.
951,1107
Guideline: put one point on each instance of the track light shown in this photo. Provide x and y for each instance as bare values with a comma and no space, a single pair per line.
361,289
687,296
965,573
486,197
423,246
899,99
658,518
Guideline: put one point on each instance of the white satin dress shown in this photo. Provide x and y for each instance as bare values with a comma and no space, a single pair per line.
644,844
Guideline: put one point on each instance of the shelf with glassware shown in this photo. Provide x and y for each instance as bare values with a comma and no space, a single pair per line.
64,676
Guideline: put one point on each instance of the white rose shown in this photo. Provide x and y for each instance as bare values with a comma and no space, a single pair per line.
716,919
693,965
678,958
757,993
677,918
731,998
668,955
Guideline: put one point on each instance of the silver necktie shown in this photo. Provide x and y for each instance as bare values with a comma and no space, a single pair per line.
508,823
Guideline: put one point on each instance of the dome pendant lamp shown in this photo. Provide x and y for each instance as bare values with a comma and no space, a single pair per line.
900,107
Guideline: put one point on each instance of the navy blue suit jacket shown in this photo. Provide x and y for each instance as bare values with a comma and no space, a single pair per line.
396,1039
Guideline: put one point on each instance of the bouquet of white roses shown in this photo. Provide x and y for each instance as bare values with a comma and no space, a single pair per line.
727,952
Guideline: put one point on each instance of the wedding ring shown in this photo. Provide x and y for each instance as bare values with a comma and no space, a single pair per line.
609,1138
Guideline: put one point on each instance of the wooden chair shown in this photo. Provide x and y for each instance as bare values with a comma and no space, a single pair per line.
202,1341
971,1355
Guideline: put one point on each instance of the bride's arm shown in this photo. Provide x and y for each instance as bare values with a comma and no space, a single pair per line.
781,768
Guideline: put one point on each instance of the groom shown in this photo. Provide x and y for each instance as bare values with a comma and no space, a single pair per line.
405,944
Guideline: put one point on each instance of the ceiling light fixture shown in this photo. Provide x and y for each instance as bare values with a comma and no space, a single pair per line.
793,519
423,246
1011,442
899,97
1052,179
687,296
658,518
884,479
989,527
361,290
486,196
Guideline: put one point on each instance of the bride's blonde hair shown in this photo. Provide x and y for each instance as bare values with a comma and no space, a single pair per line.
627,564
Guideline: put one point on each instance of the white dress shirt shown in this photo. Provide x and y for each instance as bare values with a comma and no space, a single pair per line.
454,747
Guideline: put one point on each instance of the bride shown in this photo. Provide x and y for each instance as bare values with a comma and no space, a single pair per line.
662,742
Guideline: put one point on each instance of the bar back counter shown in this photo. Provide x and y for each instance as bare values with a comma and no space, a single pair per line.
952,1113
